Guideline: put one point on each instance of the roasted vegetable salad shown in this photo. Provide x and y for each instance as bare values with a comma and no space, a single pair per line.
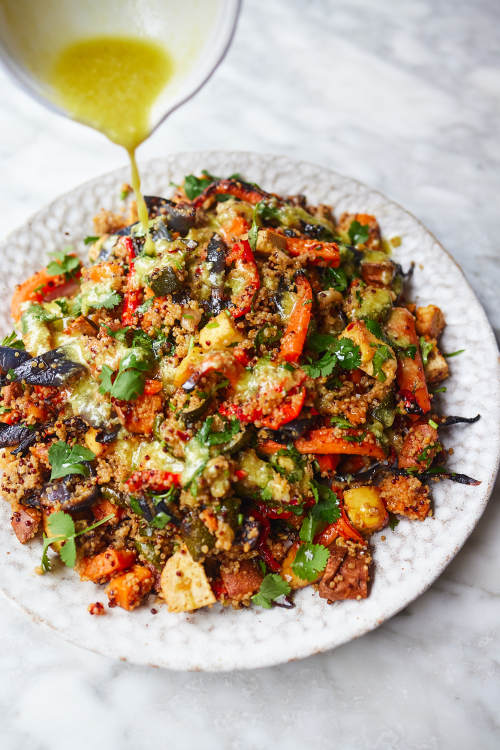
227,415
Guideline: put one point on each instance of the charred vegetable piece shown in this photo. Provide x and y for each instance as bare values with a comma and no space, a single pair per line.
216,258
70,494
51,368
245,191
459,420
12,358
13,434
243,278
196,535
180,217
164,281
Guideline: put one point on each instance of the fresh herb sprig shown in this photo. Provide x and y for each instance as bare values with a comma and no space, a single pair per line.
61,528
65,459
272,588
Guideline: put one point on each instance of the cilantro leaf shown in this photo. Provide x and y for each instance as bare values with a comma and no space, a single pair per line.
374,327
194,186
108,301
341,422
66,460
334,278
348,354
90,239
425,349
310,560
66,263
358,233
272,587
105,378
324,512
382,354
128,385
61,527
67,553
60,524
318,342
323,367
343,352
393,521
209,438
129,381
12,341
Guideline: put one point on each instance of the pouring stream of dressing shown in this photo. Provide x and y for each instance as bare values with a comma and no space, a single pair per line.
111,83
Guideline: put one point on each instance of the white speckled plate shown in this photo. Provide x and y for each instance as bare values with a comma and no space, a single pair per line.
409,559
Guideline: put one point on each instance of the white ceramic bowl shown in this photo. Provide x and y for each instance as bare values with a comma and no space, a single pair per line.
407,561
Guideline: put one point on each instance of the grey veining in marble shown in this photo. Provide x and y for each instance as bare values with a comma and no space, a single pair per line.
404,95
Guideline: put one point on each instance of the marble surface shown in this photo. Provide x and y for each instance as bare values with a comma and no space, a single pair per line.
404,95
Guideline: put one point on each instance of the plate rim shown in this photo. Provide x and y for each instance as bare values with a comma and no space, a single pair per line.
416,590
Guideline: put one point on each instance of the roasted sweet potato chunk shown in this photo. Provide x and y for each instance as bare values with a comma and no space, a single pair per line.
406,496
129,589
101,567
347,573
25,522
241,579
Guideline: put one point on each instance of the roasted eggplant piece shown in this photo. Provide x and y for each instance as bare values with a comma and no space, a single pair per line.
294,429
72,493
51,368
248,535
179,217
13,434
11,358
106,436
164,281
216,257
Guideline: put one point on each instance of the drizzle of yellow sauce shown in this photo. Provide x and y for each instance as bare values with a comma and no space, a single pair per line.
111,84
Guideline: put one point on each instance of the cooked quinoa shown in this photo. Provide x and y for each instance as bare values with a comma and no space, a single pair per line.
229,417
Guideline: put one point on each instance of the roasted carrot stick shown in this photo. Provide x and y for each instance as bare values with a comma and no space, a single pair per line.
328,440
293,340
410,373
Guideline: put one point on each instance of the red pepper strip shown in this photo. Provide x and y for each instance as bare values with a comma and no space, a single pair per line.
286,411
246,274
238,189
327,462
267,512
317,252
264,551
132,298
326,440
223,362
152,386
11,417
295,334
341,527
410,373
152,479
218,588
289,409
